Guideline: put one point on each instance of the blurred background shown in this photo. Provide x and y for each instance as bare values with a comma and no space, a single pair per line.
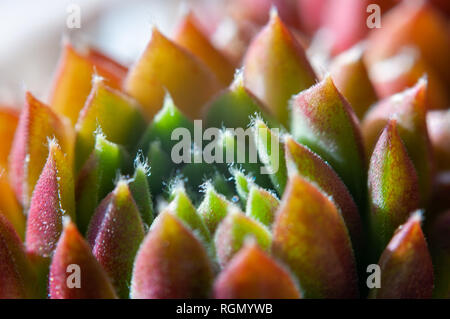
31,32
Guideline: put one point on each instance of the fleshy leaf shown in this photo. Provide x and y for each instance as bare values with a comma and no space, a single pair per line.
168,119
323,120
96,178
9,206
414,24
236,100
72,82
213,208
164,164
119,117
276,67
310,236
181,207
73,256
140,190
243,184
234,230
304,162
165,65
190,36
29,151
239,148
405,265
270,151
171,263
351,78
9,119
53,198
393,186
261,205
252,274
409,109
115,233
17,279
438,123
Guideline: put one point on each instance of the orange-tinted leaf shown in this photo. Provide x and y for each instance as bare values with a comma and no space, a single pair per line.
73,257
190,36
171,263
406,268
9,206
350,76
72,82
310,236
302,161
165,65
117,115
8,122
37,124
276,67
252,274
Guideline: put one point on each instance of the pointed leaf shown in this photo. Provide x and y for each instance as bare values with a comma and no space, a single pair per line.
73,253
163,124
53,198
171,263
29,151
406,268
72,82
165,65
162,166
234,230
115,233
351,77
234,106
181,207
252,274
270,151
393,186
310,236
119,117
190,36
140,190
261,205
213,208
17,279
304,162
275,67
243,184
409,109
324,121
96,178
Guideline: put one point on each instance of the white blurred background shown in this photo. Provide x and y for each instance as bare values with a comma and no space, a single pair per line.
31,32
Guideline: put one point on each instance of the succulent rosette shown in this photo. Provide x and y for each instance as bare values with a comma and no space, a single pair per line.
341,168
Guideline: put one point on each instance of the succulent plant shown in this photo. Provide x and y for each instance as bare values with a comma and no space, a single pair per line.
94,205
